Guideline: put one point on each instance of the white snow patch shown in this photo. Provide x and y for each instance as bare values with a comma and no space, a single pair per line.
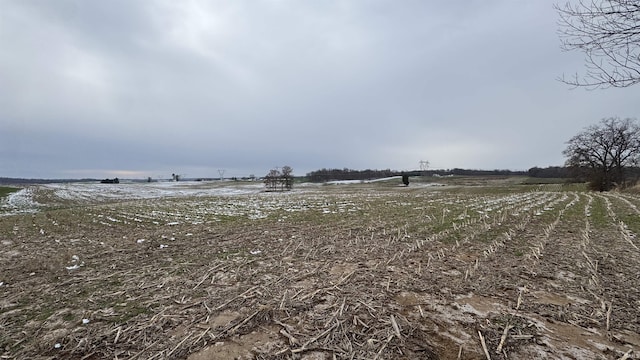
95,192
19,202
346,182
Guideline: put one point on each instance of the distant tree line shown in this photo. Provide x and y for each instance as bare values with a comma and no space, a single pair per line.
323,175
474,172
557,172
550,172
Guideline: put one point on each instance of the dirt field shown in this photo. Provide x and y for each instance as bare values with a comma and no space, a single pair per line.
364,271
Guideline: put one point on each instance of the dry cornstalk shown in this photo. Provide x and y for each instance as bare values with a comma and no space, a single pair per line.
588,260
368,306
204,303
310,295
88,355
324,333
207,275
205,332
627,355
396,329
235,328
236,297
505,333
287,327
484,345
145,349
344,278
292,339
284,296
383,347
117,335
179,344
520,298
297,293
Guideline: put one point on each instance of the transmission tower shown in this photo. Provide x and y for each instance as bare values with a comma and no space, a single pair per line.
221,172
424,165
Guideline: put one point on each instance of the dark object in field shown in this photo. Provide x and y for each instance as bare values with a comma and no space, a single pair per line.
110,181
405,180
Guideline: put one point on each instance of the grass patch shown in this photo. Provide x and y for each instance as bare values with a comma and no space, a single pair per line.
632,221
599,215
5,190
532,180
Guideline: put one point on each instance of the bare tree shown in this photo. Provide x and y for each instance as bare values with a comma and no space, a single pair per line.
608,32
287,177
287,171
603,151
277,180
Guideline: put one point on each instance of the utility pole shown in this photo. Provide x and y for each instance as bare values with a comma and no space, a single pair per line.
221,172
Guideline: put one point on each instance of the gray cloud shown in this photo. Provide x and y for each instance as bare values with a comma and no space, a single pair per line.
155,87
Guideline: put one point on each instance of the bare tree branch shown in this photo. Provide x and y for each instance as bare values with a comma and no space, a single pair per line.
608,32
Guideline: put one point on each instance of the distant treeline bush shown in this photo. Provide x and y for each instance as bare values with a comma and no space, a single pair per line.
472,172
550,172
351,174
348,174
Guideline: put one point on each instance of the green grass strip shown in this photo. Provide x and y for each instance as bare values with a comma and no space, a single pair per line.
4,191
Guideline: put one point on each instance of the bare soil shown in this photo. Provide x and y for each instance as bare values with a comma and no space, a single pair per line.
351,272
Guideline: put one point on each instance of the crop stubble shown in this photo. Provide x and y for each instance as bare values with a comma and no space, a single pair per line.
330,272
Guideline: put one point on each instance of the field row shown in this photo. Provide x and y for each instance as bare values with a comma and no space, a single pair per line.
361,273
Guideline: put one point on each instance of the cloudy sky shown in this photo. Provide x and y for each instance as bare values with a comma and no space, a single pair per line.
149,88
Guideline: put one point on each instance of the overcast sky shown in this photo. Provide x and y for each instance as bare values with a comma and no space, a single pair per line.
150,88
